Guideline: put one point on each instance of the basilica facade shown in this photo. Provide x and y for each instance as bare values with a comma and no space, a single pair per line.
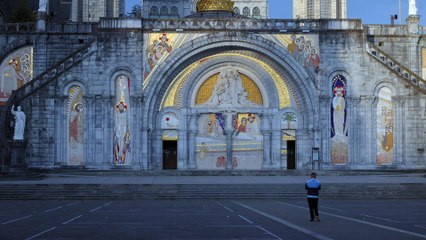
215,90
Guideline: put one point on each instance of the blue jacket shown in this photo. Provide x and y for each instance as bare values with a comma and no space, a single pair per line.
313,186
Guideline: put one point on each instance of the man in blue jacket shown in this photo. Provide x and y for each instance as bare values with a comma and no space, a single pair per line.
313,186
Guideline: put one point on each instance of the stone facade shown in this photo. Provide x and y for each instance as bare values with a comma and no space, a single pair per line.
172,8
205,94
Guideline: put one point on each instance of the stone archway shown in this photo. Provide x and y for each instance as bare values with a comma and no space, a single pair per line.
297,78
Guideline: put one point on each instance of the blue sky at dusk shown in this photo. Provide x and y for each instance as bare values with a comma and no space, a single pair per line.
370,11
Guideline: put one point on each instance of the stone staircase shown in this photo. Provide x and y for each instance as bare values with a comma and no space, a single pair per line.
396,67
45,78
206,191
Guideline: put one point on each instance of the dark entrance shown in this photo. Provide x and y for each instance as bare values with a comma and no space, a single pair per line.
291,154
169,155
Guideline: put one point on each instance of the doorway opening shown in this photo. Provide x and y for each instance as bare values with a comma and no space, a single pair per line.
170,155
291,155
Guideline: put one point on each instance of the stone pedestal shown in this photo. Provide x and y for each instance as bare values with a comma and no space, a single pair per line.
41,21
413,24
17,156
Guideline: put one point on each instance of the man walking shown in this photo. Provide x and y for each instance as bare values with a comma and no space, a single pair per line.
313,186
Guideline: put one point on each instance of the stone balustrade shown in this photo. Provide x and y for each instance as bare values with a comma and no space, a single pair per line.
398,68
25,27
253,25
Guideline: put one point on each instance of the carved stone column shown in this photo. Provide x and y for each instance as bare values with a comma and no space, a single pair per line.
192,164
325,125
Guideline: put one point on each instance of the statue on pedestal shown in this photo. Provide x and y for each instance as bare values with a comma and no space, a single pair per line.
19,123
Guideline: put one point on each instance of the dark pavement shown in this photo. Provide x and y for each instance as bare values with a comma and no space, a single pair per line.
212,219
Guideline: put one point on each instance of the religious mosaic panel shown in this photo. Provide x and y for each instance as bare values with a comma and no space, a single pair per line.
385,127
424,63
15,71
339,131
75,117
121,138
169,125
304,48
159,46
229,88
211,142
247,142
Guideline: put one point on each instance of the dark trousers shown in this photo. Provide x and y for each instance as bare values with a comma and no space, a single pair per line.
313,207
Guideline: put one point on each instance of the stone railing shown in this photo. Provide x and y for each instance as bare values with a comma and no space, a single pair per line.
399,69
253,25
390,30
39,82
28,27
71,27
373,29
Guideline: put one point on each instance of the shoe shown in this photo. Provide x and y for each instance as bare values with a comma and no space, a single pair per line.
318,220
311,220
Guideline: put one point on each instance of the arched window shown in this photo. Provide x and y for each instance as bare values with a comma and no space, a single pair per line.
246,12
174,11
256,12
237,10
154,11
164,11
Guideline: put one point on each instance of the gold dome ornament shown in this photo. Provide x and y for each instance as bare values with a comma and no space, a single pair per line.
215,5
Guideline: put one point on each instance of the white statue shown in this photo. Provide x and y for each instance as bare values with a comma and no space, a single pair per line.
412,7
229,90
42,6
19,123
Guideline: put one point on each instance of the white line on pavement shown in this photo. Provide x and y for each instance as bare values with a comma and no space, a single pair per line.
15,220
335,209
72,204
384,219
72,220
245,219
268,232
363,222
288,224
48,230
53,209
227,208
96,208
106,204
220,204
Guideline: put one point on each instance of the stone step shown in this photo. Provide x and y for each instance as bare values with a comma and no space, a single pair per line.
200,191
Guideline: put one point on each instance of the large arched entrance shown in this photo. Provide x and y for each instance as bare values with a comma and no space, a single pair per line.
231,94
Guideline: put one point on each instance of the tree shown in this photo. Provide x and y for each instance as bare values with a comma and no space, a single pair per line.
136,11
22,13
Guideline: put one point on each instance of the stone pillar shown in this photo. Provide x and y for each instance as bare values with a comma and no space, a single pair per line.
413,24
183,141
354,133
325,125
276,149
399,131
191,143
192,161
144,149
229,132
305,143
42,15
267,133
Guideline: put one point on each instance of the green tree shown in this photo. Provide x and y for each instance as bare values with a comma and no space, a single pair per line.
136,11
22,13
